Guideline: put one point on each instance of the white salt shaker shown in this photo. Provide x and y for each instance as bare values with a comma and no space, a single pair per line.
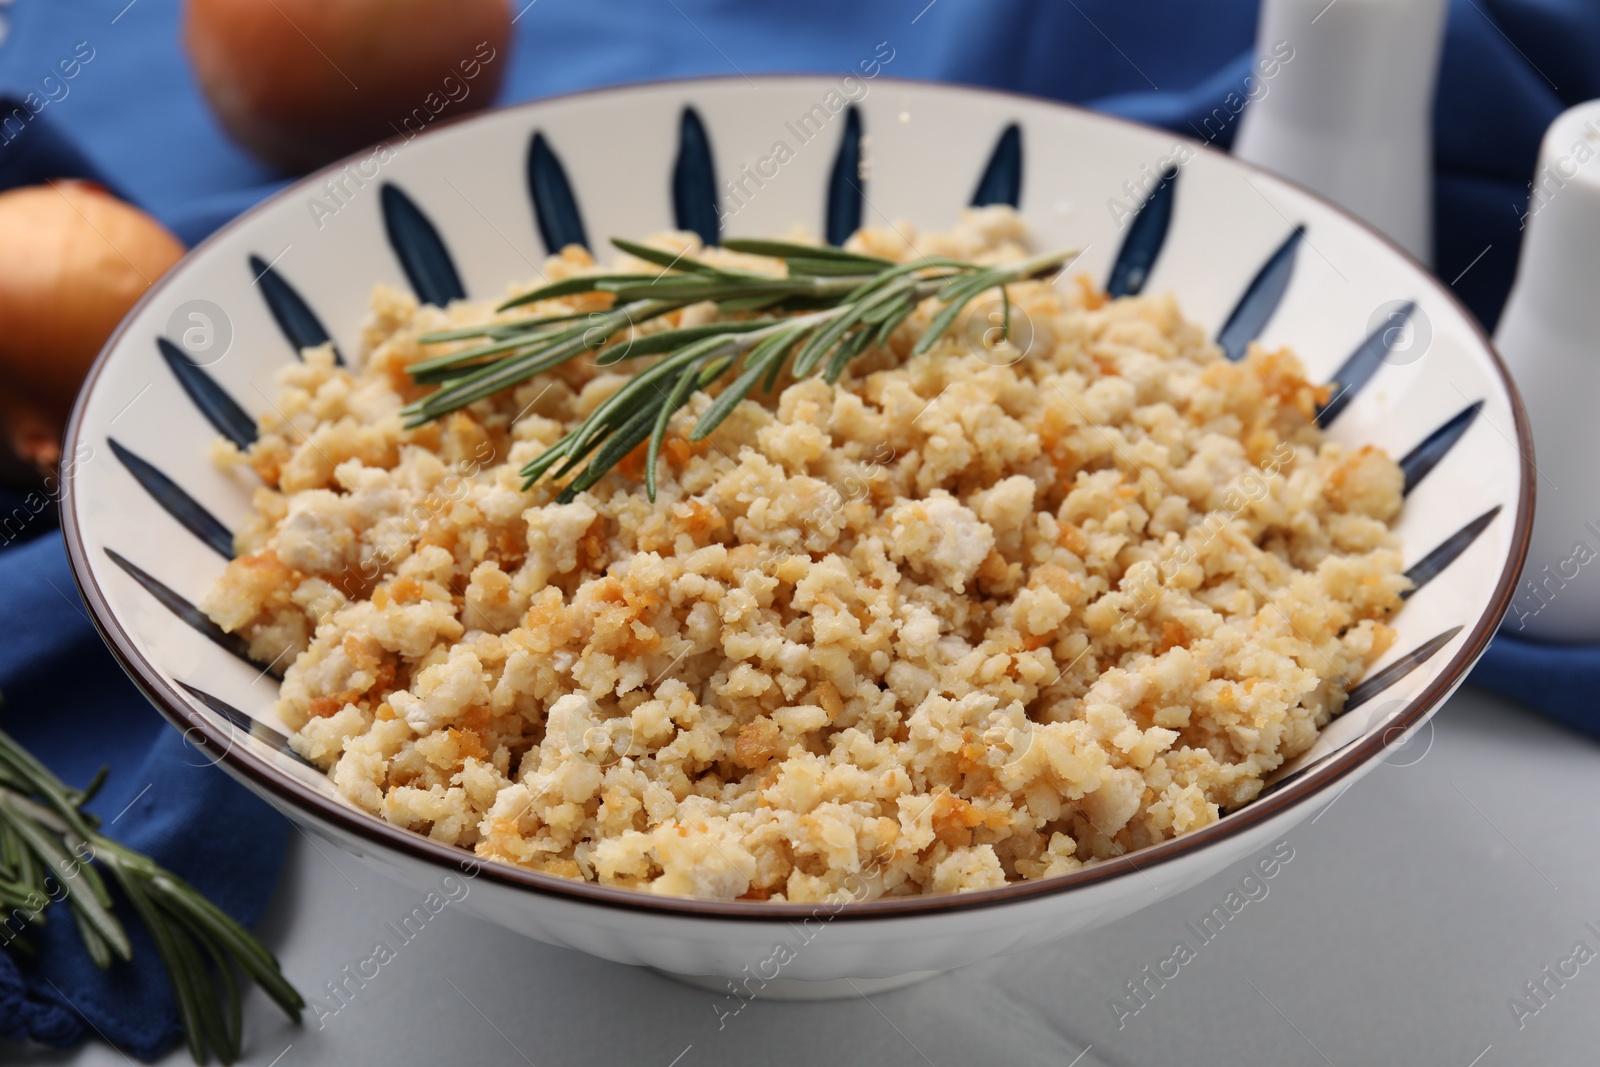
1549,335
1349,114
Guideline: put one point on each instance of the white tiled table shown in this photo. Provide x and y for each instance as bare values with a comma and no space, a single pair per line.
1415,906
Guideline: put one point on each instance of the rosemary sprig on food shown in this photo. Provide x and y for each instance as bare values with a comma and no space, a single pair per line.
46,838
829,308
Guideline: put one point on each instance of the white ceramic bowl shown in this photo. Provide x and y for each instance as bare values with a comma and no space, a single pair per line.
145,546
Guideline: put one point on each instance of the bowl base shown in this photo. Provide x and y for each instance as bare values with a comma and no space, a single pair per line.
799,989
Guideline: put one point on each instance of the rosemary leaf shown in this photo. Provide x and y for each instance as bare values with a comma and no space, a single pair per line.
828,309
790,250
894,299
784,339
849,349
497,329
681,389
232,1027
619,444
966,286
87,793
824,267
247,952
656,343
427,367
752,303
573,454
692,290
94,943
490,378
661,258
738,389
485,382
617,408
42,827
805,360
17,894
774,372
901,270
958,301
91,908
582,283
183,980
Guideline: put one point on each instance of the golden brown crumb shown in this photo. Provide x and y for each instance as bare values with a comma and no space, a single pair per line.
964,619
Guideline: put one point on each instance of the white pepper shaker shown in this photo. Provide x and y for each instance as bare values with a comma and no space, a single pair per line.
1350,113
1549,335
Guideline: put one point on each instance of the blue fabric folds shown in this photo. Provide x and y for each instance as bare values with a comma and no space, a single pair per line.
69,703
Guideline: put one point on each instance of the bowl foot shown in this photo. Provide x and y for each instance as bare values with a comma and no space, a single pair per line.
799,989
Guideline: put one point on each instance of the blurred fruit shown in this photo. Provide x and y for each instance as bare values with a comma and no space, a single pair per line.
73,261
303,82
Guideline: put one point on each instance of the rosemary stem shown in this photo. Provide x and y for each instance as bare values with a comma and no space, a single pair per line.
864,300
44,831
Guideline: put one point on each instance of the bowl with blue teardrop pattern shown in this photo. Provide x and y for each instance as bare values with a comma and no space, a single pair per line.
472,206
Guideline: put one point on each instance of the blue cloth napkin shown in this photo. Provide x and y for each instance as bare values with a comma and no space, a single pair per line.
69,703
132,112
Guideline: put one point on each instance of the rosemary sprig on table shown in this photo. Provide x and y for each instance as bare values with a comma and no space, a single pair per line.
47,838
829,308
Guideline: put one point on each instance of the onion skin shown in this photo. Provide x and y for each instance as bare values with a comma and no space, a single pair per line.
73,261
30,440
303,82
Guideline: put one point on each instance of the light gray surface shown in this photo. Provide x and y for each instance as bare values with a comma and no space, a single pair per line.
1413,909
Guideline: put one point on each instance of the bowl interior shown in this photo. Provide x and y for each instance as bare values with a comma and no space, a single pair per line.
148,513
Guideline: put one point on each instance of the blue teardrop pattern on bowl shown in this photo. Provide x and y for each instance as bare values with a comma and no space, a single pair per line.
555,209
1147,234
694,181
1430,566
1357,370
1365,691
177,503
1420,460
245,724
1371,687
420,249
1002,177
220,409
192,616
1261,298
846,182
294,316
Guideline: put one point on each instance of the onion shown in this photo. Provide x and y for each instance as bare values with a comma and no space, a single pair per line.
303,82
30,441
73,261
